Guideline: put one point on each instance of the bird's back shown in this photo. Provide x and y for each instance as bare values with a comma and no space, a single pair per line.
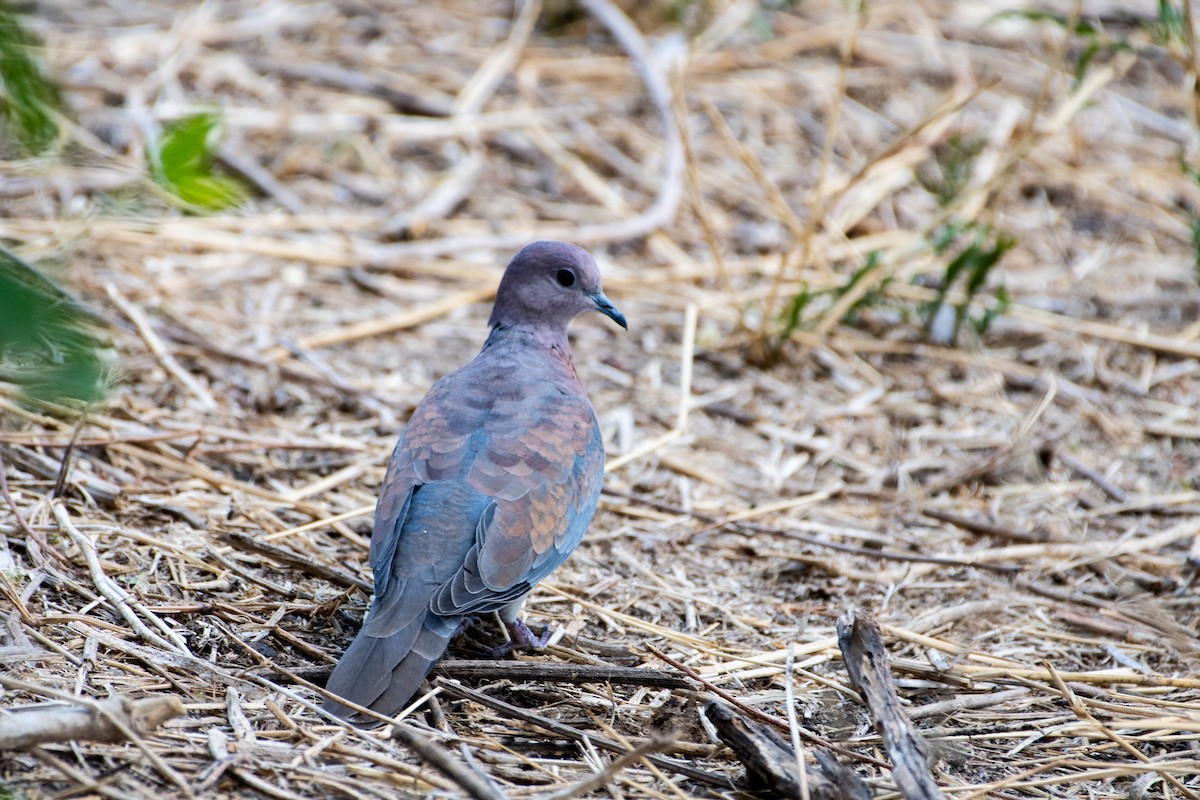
492,485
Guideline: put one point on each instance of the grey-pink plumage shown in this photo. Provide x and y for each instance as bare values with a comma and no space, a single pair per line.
492,485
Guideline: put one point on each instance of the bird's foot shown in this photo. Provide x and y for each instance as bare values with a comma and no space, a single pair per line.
521,638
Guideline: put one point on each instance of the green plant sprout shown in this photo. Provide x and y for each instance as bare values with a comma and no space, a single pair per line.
794,316
184,165
973,264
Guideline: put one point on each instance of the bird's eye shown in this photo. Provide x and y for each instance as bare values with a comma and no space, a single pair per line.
565,277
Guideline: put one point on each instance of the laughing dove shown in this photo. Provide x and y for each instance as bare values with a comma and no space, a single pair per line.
491,486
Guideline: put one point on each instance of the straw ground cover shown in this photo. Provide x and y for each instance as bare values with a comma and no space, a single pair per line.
913,303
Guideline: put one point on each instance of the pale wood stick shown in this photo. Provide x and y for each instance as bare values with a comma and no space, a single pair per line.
161,354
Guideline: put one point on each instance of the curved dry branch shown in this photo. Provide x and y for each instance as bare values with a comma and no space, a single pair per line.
657,215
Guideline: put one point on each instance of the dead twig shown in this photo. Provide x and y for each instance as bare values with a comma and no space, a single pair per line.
129,609
1001,454
610,770
283,555
48,724
474,784
380,326
560,729
1081,710
558,673
984,528
541,671
37,542
118,718
427,104
445,197
142,323
1114,492
754,713
245,166
96,487
771,764
753,529
867,663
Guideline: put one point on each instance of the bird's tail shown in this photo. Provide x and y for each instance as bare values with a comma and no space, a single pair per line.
383,673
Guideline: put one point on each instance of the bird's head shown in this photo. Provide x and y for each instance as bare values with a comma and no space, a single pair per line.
548,284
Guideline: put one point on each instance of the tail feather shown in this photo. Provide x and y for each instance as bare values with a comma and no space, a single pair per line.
384,673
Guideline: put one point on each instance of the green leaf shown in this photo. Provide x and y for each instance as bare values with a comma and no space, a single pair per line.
213,192
947,235
1196,247
47,344
1187,169
1002,301
1172,22
870,298
983,259
184,165
793,315
1085,60
973,264
8,792
29,101
1082,27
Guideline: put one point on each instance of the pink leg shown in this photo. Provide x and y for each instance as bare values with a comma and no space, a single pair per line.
520,638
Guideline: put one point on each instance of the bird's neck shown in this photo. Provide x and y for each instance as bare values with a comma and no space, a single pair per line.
551,338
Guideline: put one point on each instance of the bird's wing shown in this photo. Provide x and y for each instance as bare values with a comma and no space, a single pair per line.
426,513
437,447
520,445
545,483
391,510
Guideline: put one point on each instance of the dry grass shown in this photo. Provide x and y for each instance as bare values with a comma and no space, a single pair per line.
1017,511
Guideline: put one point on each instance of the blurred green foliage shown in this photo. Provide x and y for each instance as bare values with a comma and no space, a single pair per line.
950,170
29,101
1195,223
1192,217
1082,27
970,267
48,347
1172,23
794,315
184,164
1168,28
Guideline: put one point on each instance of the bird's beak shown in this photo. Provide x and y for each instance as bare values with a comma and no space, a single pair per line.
605,307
